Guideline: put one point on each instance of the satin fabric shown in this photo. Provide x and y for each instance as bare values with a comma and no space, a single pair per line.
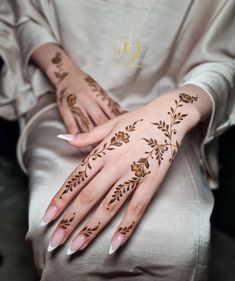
170,243
179,42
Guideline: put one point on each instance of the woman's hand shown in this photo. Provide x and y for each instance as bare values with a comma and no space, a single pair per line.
132,158
82,102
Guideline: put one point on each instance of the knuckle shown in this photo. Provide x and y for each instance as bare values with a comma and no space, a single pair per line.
87,195
137,209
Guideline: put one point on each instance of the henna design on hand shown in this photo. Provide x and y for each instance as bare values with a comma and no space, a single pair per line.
141,167
112,105
87,231
60,74
65,223
126,229
71,100
117,140
168,129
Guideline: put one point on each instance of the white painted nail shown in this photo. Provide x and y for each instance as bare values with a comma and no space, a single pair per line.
51,248
111,251
43,223
69,252
67,137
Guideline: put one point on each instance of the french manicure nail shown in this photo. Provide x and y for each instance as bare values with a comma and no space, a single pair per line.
68,137
56,239
116,243
78,243
49,215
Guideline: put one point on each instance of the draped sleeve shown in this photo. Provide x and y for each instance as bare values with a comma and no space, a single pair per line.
211,66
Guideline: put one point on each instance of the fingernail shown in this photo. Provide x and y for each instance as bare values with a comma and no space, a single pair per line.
78,243
67,137
116,243
49,215
56,239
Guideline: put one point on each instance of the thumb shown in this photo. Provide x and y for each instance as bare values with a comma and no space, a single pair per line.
95,136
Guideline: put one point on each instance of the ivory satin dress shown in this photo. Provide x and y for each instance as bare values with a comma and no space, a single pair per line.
170,43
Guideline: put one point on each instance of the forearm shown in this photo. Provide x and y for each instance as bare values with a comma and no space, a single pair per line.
54,62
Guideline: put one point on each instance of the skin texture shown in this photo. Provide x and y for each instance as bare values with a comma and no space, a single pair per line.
135,152
82,102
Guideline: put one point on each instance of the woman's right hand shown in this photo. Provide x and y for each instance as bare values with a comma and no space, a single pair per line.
82,102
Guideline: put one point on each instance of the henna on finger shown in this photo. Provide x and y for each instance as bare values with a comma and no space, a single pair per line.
100,93
126,229
119,138
65,223
88,231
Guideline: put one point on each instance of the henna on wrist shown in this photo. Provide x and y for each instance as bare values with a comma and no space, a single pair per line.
59,74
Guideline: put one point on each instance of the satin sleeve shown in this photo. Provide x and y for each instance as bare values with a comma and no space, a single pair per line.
211,66
32,31
15,94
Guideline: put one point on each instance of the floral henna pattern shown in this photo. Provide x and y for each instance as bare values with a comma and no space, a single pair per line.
112,105
87,231
169,130
126,229
65,223
141,167
60,74
71,99
117,140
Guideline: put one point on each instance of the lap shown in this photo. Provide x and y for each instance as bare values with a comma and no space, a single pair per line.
169,244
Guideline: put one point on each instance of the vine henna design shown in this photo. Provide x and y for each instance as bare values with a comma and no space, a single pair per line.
87,231
60,74
168,129
141,167
120,138
112,105
126,229
65,223
71,99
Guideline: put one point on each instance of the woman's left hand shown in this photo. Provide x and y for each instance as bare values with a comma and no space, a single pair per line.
133,156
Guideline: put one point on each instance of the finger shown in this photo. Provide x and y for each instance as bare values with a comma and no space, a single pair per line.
86,199
100,219
69,120
108,105
95,135
135,211
95,112
80,177
82,118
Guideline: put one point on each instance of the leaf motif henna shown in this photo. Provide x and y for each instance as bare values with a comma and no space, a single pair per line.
118,140
112,105
87,231
65,223
60,74
62,94
168,130
121,189
141,167
126,229
84,120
